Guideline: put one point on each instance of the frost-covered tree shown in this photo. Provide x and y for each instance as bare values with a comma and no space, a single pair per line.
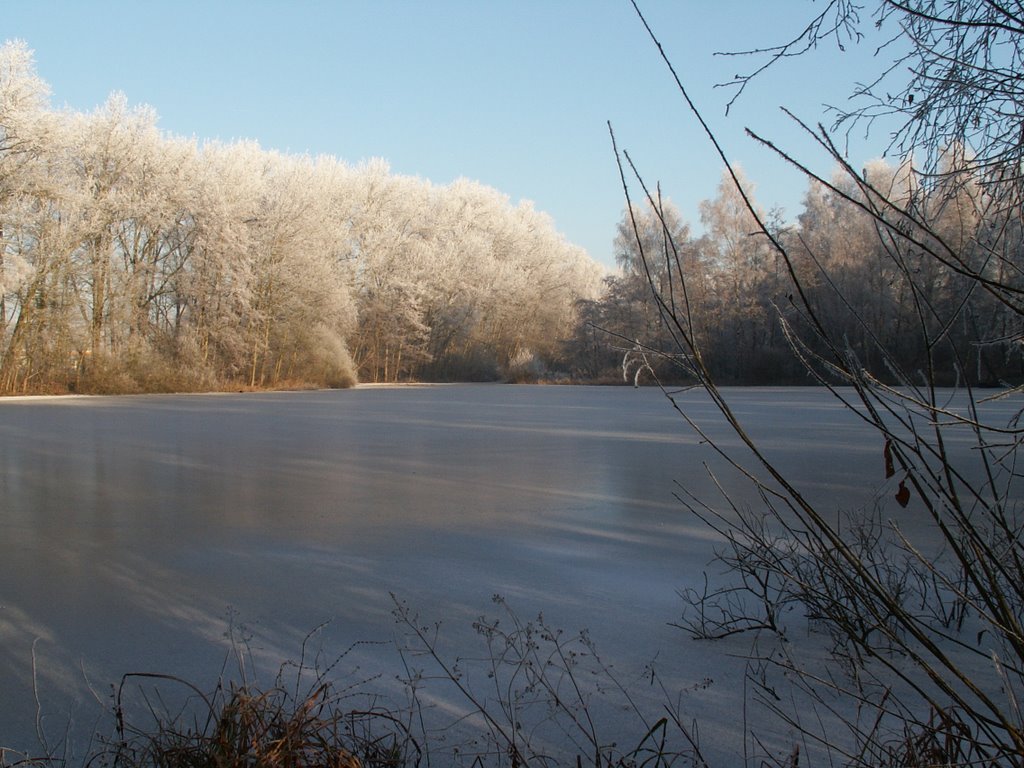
27,176
136,260
388,238
743,281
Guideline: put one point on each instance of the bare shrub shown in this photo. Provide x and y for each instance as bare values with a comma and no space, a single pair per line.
539,696
926,621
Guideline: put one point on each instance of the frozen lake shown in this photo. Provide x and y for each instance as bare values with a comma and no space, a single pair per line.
137,530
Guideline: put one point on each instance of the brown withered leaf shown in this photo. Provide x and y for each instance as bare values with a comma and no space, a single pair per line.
903,495
890,470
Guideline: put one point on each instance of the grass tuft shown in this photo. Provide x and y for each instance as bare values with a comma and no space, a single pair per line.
241,725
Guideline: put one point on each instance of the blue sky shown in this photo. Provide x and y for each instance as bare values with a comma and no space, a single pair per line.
515,94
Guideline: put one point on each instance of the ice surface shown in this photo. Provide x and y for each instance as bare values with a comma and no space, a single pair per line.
139,531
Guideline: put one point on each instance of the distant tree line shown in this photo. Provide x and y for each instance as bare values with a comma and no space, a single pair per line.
737,287
131,260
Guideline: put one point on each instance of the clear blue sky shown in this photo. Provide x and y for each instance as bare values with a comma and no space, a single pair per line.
515,94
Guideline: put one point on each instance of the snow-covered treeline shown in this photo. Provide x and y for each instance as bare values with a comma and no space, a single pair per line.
133,260
740,297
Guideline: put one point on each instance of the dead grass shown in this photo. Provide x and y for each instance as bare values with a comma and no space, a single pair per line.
166,722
